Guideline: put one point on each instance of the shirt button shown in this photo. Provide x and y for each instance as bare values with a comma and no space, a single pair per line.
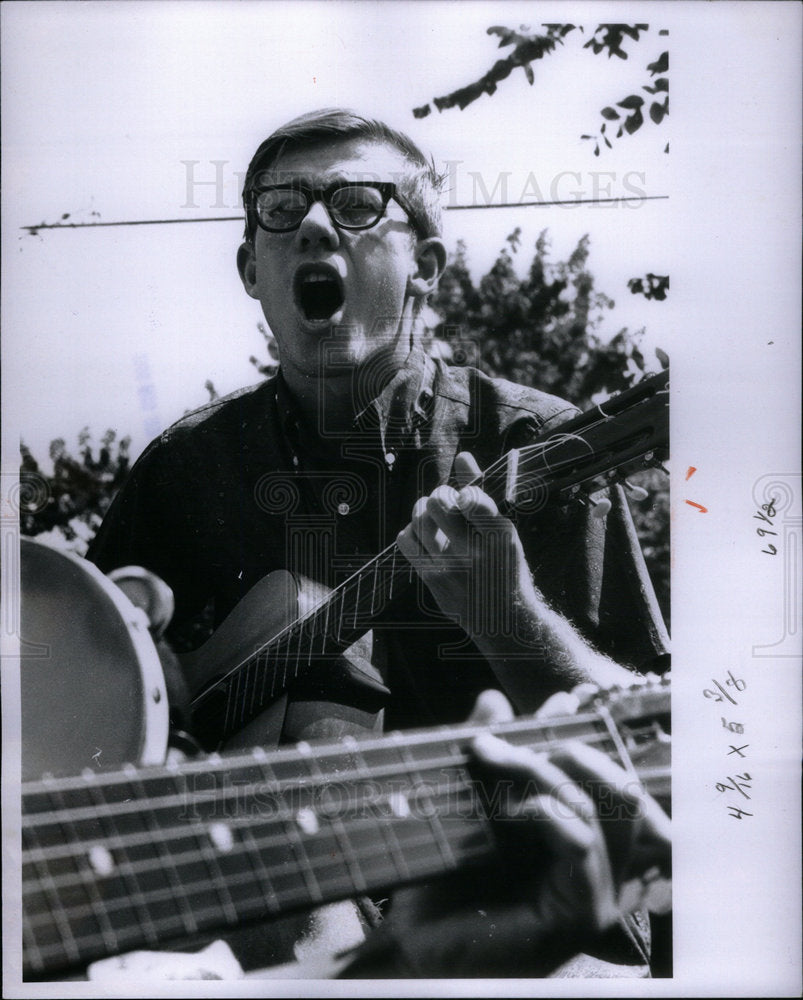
343,508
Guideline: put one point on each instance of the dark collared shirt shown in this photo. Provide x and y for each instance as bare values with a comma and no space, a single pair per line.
242,487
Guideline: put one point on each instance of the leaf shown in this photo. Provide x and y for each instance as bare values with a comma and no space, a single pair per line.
661,64
657,112
596,151
422,112
610,114
608,142
666,148
602,128
634,122
662,83
528,72
586,136
631,102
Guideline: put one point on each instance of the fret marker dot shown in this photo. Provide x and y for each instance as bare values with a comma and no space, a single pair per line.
222,837
101,860
399,805
307,821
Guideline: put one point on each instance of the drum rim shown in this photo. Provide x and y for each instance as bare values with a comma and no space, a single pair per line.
155,705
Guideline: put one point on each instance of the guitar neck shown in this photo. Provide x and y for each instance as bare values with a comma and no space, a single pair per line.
131,859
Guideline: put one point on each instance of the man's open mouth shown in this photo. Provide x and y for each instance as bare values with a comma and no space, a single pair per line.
318,291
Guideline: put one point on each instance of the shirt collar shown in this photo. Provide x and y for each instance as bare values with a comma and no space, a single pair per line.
400,409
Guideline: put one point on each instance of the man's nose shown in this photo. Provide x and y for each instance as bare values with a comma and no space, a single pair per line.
317,229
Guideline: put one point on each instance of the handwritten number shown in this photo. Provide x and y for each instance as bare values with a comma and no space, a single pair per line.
771,551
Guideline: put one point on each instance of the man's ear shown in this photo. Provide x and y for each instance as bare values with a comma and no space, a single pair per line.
246,265
430,256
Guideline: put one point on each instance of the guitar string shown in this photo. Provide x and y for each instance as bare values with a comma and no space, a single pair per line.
287,818
336,883
498,467
231,788
254,792
332,886
542,731
265,837
525,728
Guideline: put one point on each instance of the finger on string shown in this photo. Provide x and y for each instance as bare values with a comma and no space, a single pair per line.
595,769
425,532
442,508
638,831
491,708
476,505
466,468
559,829
567,702
410,546
532,773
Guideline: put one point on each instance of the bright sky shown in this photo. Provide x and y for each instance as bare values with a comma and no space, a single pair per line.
118,109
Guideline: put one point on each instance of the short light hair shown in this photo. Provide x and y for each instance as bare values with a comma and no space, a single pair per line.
420,187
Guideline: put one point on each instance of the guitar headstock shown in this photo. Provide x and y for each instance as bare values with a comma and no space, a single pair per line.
604,445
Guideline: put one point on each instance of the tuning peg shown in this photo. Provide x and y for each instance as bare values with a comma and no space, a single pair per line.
635,492
599,508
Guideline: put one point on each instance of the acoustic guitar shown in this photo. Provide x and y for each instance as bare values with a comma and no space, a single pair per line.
237,672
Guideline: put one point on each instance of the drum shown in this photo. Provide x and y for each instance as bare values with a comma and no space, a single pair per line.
92,688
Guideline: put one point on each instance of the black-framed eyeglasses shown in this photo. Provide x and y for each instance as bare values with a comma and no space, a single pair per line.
351,205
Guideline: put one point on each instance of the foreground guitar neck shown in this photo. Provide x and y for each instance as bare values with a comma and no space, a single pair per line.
137,858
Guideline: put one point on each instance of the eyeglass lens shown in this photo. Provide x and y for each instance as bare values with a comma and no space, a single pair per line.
354,206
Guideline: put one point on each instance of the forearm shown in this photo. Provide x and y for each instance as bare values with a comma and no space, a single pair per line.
541,652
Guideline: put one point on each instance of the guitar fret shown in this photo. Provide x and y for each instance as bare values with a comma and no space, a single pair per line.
392,573
435,825
67,944
123,865
297,845
373,587
357,600
386,826
341,836
188,918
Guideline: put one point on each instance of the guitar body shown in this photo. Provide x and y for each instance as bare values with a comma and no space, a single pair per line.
270,605
338,695
92,689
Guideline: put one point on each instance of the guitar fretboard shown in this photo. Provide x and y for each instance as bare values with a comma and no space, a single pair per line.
136,858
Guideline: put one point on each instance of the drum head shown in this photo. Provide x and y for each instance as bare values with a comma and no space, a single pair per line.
92,689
